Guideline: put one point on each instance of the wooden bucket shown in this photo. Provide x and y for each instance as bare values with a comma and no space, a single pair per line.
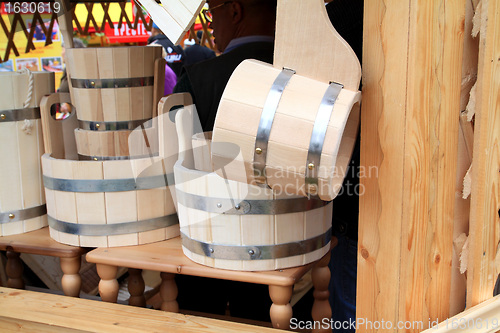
303,142
114,84
115,90
108,203
22,199
295,121
233,225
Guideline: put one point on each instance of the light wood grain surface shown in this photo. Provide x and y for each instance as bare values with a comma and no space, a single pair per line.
39,312
485,197
409,137
167,256
39,242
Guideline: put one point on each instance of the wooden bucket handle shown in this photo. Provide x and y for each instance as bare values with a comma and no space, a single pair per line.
305,38
159,83
164,106
57,134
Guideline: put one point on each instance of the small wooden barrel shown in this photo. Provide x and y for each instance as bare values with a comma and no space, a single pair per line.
294,133
108,203
232,225
113,84
22,199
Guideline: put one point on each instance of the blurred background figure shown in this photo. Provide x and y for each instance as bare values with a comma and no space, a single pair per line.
174,53
195,52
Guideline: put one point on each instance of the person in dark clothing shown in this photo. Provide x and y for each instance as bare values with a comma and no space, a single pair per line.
175,54
197,52
346,17
242,29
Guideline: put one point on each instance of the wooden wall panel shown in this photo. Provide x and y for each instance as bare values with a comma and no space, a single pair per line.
484,235
412,60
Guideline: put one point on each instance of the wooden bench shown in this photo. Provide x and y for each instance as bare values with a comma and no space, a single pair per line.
40,312
167,257
39,242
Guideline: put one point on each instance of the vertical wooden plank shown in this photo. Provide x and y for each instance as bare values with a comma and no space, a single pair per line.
121,69
431,141
66,210
9,164
136,64
83,65
409,132
317,222
31,181
288,228
485,196
120,206
458,283
105,62
382,151
90,206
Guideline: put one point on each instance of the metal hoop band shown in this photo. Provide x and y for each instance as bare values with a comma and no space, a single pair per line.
113,228
19,114
23,214
266,123
113,125
108,185
131,82
257,252
248,207
318,136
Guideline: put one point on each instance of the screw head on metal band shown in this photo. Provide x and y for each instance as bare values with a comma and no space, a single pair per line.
20,114
23,214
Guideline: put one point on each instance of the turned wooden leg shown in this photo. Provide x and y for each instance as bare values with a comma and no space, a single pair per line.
168,293
321,278
14,270
71,280
136,288
108,286
281,310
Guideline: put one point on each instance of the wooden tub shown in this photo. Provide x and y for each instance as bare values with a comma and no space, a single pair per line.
232,225
107,203
22,199
294,132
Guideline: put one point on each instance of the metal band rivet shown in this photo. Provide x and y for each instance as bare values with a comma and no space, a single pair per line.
23,214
